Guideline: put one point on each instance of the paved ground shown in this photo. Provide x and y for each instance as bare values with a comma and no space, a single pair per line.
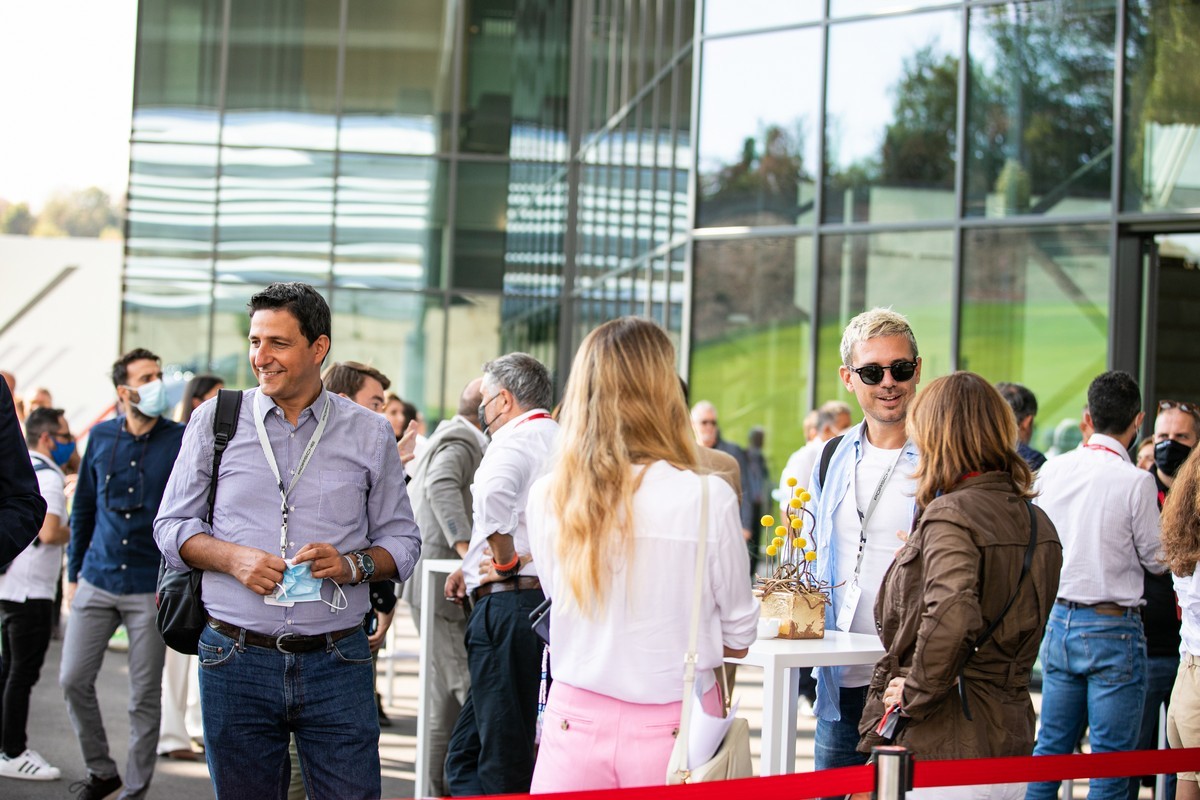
50,731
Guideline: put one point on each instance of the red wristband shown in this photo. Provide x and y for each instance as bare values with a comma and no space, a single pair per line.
510,566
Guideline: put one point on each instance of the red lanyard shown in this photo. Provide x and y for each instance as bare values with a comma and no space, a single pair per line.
1102,447
532,417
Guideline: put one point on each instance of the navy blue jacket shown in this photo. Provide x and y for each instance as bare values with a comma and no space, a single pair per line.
22,509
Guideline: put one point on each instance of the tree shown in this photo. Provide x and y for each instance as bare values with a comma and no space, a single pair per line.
918,148
85,213
17,220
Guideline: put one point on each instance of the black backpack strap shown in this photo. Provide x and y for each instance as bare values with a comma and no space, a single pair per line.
990,629
827,456
225,422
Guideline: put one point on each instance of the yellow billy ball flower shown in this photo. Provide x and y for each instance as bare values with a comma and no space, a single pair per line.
791,481
795,502
781,531
797,523
771,550
805,497
797,542
767,521
777,541
810,556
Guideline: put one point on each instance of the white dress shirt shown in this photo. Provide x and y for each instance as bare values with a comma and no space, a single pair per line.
799,466
33,575
632,647
1188,592
1106,513
518,455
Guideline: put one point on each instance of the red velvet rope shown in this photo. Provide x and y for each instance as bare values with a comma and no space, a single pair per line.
963,772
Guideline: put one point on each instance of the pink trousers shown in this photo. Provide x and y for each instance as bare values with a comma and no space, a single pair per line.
592,741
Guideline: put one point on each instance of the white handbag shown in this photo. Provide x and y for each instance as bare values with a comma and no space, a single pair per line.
732,759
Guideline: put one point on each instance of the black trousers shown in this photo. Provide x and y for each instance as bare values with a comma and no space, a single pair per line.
24,639
491,750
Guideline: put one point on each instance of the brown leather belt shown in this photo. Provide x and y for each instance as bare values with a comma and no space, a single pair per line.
521,583
1107,609
284,643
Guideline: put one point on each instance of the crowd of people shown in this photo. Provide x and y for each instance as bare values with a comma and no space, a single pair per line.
940,529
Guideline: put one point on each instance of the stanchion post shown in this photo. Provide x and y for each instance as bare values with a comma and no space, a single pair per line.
893,772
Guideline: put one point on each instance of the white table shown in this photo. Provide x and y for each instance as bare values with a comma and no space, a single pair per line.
433,578
781,661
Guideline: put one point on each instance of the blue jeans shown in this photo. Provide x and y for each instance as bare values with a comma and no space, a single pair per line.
254,698
836,743
1160,679
1094,675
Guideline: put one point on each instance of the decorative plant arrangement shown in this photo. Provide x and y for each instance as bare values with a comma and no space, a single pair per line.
792,593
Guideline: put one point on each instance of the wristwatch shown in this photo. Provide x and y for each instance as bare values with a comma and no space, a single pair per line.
366,567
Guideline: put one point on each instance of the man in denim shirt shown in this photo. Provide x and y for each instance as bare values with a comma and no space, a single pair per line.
112,572
866,499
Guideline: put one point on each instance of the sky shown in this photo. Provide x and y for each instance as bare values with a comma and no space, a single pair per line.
66,95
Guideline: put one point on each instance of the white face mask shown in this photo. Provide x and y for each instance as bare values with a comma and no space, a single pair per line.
152,398
299,586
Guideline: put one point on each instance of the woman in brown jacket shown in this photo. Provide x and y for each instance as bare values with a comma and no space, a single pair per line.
968,571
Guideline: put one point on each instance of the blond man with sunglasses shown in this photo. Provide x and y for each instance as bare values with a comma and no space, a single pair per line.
863,499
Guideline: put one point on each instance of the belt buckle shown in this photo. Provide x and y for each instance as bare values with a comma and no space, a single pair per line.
279,640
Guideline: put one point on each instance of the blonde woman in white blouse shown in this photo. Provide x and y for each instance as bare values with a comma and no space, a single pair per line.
1181,544
613,529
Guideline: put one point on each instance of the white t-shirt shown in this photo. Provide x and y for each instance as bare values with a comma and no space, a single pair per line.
1188,592
33,575
890,515
632,647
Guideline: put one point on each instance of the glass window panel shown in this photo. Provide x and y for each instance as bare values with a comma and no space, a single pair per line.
171,318
854,8
473,339
1035,312
400,333
864,271
758,129
397,94
390,219
724,16
275,219
481,211
751,335
171,211
541,77
1040,127
176,85
1162,106
487,104
282,76
529,324
891,118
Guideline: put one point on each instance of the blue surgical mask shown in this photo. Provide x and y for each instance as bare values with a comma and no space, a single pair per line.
152,399
299,586
62,452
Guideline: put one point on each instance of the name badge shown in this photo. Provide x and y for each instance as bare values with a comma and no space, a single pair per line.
850,599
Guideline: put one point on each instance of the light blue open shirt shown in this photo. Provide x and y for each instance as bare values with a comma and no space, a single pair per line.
351,495
824,505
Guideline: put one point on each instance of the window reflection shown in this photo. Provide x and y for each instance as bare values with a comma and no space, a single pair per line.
481,208
172,317
1035,311
724,16
473,322
171,211
751,327
1040,110
911,271
891,118
758,129
176,89
390,219
853,8
1162,107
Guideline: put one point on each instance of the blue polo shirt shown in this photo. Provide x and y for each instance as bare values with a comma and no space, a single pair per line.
121,483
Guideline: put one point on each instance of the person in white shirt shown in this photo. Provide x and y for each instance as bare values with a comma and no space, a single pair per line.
614,530
27,591
1093,653
1181,546
491,749
832,418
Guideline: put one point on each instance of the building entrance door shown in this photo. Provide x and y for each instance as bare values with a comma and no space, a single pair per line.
1171,363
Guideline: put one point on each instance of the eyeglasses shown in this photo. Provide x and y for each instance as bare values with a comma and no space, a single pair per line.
1187,408
872,374
707,423
65,438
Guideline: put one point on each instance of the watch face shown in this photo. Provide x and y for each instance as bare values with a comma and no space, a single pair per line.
368,563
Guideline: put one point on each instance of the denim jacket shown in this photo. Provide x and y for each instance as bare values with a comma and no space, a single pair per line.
824,506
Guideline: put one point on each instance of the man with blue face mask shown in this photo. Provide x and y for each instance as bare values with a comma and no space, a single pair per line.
112,572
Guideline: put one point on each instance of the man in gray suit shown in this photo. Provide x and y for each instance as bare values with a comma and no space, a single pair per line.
441,496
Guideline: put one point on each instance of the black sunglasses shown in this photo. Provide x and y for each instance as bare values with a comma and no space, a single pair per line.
872,374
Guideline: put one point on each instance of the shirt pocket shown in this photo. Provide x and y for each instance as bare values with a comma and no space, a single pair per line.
343,497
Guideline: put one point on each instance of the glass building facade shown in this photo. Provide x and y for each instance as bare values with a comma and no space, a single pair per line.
463,178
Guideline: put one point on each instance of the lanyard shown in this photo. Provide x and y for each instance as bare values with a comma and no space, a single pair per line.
864,518
269,452
1102,447
532,417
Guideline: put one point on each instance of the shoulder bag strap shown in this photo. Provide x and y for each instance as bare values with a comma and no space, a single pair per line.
225,422
679,756
827,456
990,629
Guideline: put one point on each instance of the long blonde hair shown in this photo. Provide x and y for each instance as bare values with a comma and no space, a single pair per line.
1181,519
623,405
961,424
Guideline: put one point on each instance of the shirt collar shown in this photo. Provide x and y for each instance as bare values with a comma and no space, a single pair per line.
266,405
1100,440
459,419
511,425
45,459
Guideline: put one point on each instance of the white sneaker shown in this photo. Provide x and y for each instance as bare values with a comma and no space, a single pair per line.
29,766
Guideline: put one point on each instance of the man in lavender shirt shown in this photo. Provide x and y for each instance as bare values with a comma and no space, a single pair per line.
310,506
